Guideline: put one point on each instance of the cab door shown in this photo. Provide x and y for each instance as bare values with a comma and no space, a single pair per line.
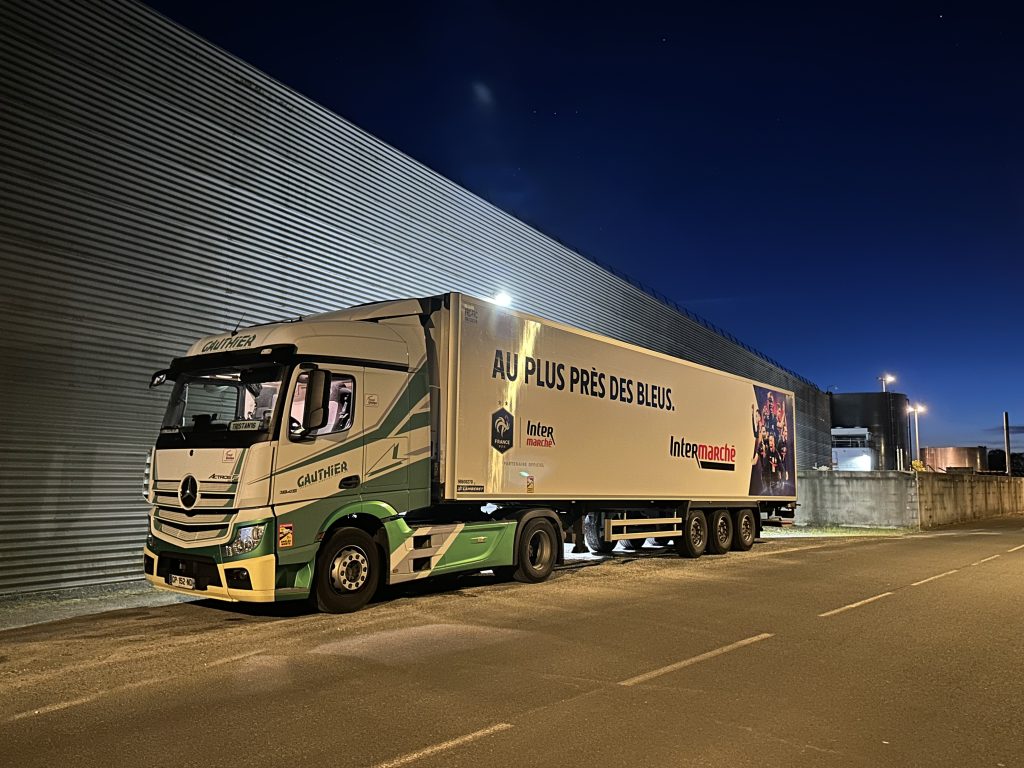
387,417
328,463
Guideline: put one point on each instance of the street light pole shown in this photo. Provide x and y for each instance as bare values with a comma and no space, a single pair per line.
917,434
910,442
917,409
886,378
1006,442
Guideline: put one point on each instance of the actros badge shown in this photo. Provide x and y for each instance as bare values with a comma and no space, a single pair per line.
502,430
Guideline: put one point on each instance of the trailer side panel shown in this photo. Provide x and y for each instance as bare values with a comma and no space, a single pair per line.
545,411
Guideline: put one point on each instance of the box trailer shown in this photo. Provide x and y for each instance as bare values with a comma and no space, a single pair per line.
324,456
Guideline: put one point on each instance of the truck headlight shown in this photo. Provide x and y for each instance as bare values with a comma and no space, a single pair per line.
246,540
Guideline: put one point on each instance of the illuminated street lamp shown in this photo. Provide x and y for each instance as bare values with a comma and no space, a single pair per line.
916,409
886,378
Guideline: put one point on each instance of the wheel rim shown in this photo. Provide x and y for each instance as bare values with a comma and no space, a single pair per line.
747,528
722,530
539,550
349,570
696,534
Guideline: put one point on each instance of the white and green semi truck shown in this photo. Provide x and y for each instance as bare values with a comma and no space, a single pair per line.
323,457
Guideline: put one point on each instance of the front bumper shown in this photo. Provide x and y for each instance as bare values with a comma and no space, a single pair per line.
211,577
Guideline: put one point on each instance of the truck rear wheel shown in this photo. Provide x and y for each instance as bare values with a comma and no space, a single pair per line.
594,535
635,544
745,530
720,536
694,539
537,551
347,571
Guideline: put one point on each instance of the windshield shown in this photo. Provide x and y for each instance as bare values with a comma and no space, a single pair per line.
224,406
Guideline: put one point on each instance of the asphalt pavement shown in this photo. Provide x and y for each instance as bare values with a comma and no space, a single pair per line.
900,650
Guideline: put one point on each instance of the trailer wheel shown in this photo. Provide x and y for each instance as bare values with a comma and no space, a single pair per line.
661,541
745,530
537,551
720,536
347,571
594,536
635,544
694,539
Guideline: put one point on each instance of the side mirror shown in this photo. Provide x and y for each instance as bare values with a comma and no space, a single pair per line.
158,378
318,398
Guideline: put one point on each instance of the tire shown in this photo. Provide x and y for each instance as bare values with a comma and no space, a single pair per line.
636,545
744,530
720,532
594,536
537,551
694,538
347,571
661,541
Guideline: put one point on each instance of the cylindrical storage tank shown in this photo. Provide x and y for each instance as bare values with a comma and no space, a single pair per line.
972,457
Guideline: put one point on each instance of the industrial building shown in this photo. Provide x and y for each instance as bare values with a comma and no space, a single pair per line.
870,430
156,189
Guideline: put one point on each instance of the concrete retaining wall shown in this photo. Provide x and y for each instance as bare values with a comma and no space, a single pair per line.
871,499
903,499
948,499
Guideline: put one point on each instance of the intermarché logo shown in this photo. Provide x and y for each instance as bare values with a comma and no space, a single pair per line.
502,430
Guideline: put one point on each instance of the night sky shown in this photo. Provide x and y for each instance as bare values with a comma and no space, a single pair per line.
840,186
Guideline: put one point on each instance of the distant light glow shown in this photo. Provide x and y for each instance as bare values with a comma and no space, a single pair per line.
483,94
502,299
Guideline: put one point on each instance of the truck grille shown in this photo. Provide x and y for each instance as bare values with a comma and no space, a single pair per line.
193,527
213,494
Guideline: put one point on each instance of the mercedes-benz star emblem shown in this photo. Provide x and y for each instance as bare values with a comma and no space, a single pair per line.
188,492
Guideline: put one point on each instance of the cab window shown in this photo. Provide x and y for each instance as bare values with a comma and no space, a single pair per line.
340,409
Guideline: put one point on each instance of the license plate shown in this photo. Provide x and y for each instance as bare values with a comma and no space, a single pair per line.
185,582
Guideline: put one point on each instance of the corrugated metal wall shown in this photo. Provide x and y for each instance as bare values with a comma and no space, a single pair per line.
154,189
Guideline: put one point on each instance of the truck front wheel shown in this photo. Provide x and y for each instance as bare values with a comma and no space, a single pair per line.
347,571
694,538
537,551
